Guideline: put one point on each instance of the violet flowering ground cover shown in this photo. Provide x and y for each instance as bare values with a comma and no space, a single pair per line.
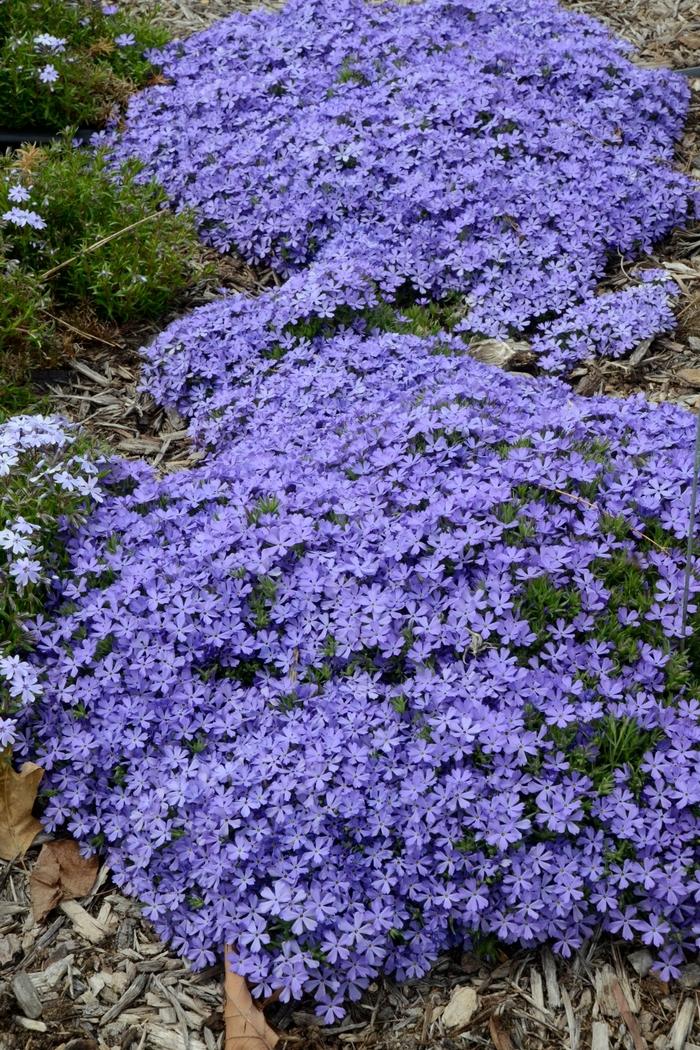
399,666
49,486
396,668
199,362
498,151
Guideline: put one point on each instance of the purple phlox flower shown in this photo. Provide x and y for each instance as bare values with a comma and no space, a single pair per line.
48,42
24,217
18,194
48,74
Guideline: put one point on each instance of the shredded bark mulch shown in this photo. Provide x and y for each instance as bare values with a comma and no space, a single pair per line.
93,976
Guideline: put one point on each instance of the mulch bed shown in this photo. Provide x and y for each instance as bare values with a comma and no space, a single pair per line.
104,980
183,17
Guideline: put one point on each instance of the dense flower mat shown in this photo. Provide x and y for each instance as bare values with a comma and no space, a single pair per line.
499,150
48,487
206,360
398,667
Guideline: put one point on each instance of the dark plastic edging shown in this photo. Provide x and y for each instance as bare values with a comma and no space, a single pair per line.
40,137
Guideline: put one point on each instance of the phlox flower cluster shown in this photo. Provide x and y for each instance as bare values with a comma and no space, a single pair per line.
608,325
198,363
20,211
501,152
47,488
24,217
47,42
48,74
397,667
39,450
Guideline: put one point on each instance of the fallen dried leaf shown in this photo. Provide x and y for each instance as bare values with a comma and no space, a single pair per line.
690,40
60,874
499,1036
246,1027
17,796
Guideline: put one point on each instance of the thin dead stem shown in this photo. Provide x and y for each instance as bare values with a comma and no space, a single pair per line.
82,333
594,506
98,244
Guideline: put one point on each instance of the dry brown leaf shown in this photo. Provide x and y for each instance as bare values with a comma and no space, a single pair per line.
691,40
246,1027
499,1036
60,874
18,827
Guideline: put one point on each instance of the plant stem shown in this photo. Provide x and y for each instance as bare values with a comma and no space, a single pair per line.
98,244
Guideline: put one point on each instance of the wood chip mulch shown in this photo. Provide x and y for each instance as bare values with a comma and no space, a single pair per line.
183,17
93,976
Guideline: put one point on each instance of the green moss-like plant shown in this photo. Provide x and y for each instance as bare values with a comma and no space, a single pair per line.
75,235
97,63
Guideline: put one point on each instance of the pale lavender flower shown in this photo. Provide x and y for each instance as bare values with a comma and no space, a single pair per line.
18,194
48,42
25,571
8,732
49,74
24,217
